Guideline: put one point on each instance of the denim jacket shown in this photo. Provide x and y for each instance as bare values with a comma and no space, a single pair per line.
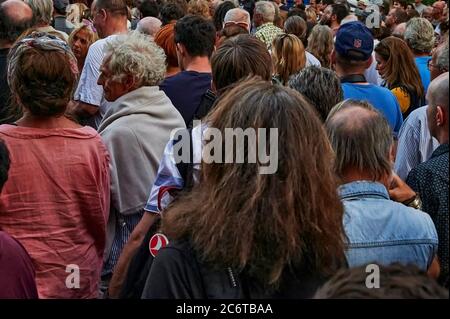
382,231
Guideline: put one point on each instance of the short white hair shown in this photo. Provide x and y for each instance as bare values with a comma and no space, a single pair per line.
42,10
149,25
237,15
266,10
138,55
419,35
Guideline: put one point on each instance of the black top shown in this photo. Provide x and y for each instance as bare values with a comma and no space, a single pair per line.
177,273
430,180
185,90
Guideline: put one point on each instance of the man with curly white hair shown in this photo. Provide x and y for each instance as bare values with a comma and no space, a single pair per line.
135,129
419,35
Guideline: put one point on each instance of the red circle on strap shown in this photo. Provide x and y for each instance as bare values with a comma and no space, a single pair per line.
157,242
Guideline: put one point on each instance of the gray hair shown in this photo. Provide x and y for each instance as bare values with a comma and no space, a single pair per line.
361,138
419,35
321,86
149,25
266,10
42,10
237,15
442,57
138,55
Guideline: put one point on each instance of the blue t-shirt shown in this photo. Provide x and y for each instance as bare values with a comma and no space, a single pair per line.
185,90
422,65
380,97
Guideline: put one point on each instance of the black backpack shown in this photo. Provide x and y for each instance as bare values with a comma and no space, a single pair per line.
142,260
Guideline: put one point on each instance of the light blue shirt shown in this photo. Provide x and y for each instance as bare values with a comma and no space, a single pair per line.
415,143
382,231
422,65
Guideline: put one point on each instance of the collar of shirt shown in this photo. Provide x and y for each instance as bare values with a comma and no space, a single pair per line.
363,189
262,26
443,148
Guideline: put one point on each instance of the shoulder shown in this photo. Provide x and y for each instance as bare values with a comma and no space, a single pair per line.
117,130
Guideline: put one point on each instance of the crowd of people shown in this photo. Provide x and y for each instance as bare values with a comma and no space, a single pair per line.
99,101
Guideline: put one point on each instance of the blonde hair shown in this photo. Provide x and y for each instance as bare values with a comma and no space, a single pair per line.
92,36
311,15
199,7
288,55
320,44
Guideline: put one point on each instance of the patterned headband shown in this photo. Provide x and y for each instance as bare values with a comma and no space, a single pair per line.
40,41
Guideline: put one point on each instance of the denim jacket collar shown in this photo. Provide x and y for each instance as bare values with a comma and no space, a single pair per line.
363,189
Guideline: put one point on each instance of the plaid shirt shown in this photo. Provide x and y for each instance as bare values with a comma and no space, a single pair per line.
267,32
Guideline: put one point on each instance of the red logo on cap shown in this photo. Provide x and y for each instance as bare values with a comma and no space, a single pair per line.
157,242
357,43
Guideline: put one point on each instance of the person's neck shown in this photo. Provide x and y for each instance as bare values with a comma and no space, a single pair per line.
118,27
343,73
199,64
172,70
51,122
420,54
80,65
355,175
442,136
334,25
41,25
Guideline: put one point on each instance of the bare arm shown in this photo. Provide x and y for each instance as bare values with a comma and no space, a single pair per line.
435,269
134,242
80,110
399,190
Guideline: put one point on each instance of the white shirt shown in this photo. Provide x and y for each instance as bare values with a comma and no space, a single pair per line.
311,60
88,91
415,143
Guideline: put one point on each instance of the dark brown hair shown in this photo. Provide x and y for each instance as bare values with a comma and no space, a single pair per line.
265,223
398,282
239,57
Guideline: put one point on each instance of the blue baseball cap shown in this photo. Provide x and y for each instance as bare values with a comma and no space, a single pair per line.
354,37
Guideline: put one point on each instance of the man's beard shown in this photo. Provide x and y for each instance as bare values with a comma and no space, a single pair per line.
326,22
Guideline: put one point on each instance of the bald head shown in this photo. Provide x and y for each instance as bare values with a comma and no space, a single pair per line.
149,26
399,30
361,138
17,10
437,111
437,93
15,17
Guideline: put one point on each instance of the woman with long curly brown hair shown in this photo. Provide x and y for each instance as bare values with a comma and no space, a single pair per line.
242,234
395,64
